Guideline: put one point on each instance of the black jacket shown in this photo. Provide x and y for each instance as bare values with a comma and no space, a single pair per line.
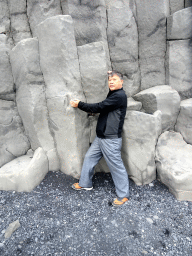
112,113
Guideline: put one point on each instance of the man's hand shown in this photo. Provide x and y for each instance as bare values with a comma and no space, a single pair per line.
74,103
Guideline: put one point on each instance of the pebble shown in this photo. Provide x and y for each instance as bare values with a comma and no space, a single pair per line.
151,185
1,245
149,220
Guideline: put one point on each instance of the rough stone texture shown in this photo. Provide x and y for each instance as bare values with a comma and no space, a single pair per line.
176,5
188,3
179,25
162,98
123,46
180,67
140,134
19,20
133,104
13,142
90,22
93,69
6,78
151,19
174,161
184,120
40,10
12,228
4,17
60,67
24,173
30,97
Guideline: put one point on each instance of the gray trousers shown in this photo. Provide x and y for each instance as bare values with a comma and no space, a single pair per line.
110,149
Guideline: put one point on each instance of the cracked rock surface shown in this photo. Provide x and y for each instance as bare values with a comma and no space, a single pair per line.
56,220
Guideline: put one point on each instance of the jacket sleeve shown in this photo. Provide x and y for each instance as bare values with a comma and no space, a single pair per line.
109,104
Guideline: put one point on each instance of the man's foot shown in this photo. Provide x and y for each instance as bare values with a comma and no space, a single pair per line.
118,202
77,187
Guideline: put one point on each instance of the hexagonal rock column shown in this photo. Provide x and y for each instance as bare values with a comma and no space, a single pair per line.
174,161
179,25
188,3
151,19
60,67
162,98
180,67
24,173
184,120
13,142
30,97
122,37
140,134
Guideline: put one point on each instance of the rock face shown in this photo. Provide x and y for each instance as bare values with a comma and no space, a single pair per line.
24,173
60,67
133,104
4,17
13,142
123,45
93,69
30,97
174,161
151,19
184,120
176,5
162,98
180,67
140,134
179,25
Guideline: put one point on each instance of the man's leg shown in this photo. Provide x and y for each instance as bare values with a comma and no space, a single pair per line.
92,157
111,149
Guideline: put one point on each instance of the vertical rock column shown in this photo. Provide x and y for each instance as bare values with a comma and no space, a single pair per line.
60,67
30,98
151,20
123,45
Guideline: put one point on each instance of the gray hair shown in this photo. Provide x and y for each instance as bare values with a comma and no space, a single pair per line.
114,72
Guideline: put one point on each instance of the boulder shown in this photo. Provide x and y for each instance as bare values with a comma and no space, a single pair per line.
93,69
188,3
140,134
184,120
24,173
122,37
40,10
6,81
174,161
60,67
179,25
19,20
176,5
30,97
13,141
180,67
133,104
162,98
151,20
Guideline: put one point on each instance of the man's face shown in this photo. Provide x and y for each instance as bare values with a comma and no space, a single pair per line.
115,83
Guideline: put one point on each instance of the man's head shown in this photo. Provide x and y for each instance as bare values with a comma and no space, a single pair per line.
115,80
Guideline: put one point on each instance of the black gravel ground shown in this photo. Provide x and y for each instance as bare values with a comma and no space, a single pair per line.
56,220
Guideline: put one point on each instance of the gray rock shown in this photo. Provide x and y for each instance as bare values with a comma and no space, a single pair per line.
123,45
151,19
184,120
6,81
19,20
40,10
93,69
12,228
133,104
162,98
180,67
176,5
4,17
30,97
179,25
13,142
140,134
60,67
174,161
24,173
188,3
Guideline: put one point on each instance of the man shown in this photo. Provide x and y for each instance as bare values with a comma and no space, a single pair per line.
108,140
